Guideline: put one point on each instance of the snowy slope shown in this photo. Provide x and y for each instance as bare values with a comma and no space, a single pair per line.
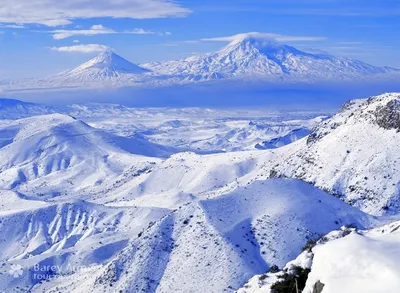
346,260
354,155
239,229
62,237
361,262
55,154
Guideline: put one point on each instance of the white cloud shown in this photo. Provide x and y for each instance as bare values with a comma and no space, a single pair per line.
94,30
90,48
264,36
75,41
140,31
13,26
56,12
350,43
98,29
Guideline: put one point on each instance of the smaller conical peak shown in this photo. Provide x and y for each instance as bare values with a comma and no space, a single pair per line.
108,59
112,61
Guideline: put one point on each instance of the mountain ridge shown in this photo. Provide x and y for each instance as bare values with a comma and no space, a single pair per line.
353,155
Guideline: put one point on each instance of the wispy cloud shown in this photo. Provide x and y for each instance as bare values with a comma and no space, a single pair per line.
260,37
99,30
340,8
90,48
350,43
56,12
140,31
264,36
17,26
94,30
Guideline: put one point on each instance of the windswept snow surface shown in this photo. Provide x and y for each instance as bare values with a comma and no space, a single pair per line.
360,262
346,260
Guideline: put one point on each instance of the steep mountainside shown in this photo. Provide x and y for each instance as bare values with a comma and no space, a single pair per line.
355,155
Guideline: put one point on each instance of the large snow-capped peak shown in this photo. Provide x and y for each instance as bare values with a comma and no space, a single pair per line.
259,55
110,61
253,44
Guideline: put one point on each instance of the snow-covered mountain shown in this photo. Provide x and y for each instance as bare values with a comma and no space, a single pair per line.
107,68
46,156
109,64
249,56
354,155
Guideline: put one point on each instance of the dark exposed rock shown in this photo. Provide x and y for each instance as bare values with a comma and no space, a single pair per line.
288,282
274,269
388,116
318,287
313,137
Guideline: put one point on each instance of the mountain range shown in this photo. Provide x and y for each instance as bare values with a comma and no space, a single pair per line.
99,212
245,58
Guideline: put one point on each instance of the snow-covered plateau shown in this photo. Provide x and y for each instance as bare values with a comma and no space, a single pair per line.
107,198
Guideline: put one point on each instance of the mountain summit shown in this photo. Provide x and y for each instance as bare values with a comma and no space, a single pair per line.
109,62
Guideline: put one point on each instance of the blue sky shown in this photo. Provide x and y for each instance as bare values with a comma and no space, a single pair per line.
42,37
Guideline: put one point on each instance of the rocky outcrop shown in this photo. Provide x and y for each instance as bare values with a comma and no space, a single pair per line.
388,116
